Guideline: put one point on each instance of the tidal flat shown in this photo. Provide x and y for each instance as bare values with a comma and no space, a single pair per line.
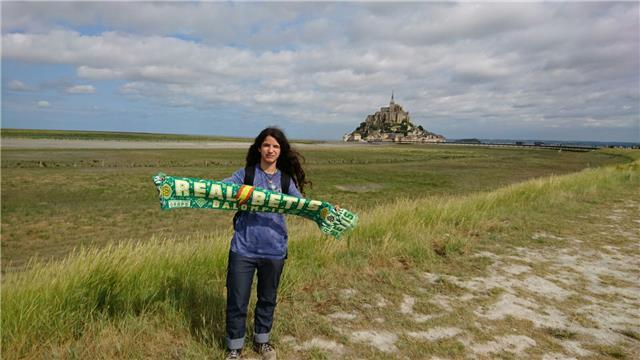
56,200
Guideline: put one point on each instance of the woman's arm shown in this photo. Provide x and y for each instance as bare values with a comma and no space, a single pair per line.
236,178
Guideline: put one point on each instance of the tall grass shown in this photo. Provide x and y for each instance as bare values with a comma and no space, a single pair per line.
178,287
118,182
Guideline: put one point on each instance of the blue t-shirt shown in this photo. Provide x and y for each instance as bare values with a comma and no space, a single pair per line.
259,234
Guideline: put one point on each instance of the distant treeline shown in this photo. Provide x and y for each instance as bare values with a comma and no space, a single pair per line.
110,135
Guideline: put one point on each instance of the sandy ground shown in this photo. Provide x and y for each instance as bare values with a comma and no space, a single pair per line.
578,298
23,143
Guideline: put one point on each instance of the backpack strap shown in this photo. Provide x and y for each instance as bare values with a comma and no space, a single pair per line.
249,175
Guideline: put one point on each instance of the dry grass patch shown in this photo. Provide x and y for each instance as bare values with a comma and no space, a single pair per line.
360,188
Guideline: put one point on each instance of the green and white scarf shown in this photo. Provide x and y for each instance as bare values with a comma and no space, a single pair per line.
181,192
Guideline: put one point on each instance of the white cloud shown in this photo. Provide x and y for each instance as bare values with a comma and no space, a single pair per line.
92,73
286,98
18,85
505,63
132,88
43,104
81,89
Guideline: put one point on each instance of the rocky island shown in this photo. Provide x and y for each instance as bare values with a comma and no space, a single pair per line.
391,124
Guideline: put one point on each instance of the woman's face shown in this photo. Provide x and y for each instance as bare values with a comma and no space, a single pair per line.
270,150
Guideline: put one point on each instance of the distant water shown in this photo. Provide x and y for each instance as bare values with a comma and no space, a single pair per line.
557,142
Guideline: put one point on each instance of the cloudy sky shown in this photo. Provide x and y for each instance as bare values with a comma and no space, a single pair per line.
557,71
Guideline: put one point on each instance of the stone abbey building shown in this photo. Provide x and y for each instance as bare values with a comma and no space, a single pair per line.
392,114
391,124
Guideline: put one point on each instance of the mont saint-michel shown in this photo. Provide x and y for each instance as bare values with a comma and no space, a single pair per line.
391,124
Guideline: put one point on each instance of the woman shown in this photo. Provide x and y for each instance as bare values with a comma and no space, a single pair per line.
260,242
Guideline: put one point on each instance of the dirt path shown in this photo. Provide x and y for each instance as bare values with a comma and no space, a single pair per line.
578,298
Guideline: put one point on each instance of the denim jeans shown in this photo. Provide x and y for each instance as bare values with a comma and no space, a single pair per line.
239,280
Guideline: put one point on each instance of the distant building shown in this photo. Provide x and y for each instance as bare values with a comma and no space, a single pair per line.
391,124
468,141
392,114
355,136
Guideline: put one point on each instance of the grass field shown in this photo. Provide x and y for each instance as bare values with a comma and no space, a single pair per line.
423,274
115,135
109,135
56,200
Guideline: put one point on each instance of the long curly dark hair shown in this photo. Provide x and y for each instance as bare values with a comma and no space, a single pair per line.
288,161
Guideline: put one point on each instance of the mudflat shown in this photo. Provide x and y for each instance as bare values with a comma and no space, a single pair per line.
25,143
